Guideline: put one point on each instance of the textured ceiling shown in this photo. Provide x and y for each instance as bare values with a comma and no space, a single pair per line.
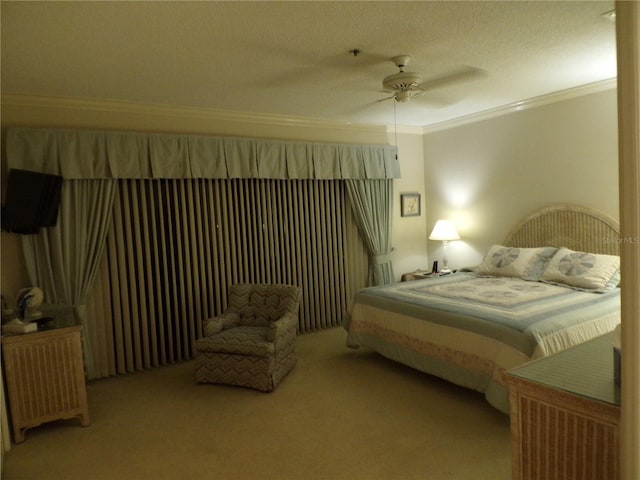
292,58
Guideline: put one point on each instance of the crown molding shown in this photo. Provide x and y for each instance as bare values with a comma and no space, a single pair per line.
404,129
207,114
213,115
534,102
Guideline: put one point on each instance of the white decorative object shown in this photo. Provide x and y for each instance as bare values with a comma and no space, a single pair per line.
18,326
29,301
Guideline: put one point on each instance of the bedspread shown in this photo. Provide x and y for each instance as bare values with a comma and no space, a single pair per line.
469,329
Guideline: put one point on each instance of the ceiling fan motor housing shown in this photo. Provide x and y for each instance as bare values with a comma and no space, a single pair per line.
401,81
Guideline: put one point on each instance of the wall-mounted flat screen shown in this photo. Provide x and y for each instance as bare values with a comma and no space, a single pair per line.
32,201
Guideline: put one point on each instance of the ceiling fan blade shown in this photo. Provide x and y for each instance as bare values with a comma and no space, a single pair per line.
365,107
351,59
465,74
438,101
340,69
391,97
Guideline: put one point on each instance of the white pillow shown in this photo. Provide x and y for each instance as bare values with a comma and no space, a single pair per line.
526,263
584,270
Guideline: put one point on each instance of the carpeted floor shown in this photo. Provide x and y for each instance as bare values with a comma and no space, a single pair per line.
341,414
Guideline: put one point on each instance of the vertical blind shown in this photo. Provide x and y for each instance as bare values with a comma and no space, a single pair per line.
175,246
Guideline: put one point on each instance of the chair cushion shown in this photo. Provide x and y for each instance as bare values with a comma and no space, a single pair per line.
261,304
240,340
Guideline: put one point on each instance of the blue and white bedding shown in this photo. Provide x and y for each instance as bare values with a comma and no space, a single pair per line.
469,328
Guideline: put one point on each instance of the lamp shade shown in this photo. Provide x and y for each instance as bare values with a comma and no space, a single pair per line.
444,230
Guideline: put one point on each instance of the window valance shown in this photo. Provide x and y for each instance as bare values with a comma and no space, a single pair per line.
76,154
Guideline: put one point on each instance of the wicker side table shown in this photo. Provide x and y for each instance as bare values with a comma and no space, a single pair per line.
565,411
44,374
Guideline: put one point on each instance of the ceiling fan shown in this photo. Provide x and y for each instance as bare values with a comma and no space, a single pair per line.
406,85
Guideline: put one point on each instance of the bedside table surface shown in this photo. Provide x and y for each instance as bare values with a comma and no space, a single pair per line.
585,370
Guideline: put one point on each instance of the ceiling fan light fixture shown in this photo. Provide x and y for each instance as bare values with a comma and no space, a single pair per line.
404,95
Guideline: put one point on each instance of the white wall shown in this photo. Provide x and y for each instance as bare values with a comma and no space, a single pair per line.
487,175
409,233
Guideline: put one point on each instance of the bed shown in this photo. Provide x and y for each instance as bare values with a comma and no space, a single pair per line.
552,284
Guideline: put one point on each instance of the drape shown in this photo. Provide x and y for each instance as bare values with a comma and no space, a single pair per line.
175,247
63,260
75,154
371,202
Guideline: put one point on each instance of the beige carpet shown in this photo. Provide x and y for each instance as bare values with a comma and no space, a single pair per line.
341,414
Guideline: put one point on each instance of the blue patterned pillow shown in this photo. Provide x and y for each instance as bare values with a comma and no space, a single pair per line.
526,263
584,270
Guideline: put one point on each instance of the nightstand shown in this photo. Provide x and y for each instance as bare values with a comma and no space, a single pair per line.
565,411
44,373
416,275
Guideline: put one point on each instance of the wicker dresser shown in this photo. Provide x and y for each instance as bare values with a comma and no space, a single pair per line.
565,411
44,374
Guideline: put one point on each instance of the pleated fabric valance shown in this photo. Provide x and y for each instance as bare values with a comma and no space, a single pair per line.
77,154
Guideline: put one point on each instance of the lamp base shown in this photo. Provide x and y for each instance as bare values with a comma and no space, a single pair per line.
445,271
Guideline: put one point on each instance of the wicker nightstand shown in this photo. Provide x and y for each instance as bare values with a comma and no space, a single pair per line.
417,275
44,374
565,411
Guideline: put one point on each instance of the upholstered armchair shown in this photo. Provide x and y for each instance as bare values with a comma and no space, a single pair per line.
252,344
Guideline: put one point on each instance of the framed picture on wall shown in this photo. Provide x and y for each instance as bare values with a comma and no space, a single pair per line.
410,204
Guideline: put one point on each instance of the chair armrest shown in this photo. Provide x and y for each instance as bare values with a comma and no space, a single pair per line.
287,322
211,326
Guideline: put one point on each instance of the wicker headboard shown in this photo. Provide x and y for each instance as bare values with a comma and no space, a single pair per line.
571,226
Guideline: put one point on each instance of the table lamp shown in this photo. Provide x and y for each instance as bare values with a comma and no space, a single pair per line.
444,230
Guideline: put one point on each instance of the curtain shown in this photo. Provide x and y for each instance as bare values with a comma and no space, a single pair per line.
63,260
175,246
372,201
